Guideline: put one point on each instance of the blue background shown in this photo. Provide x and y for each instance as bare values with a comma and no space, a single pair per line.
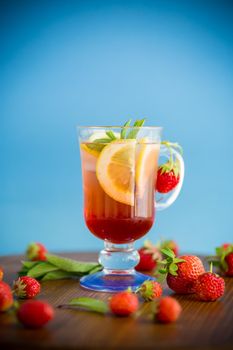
100,62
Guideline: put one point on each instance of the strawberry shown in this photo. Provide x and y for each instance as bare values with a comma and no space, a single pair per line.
35,313
124,303
149,255
225,245
168,175
181,273
167,178
1,273
224,258
150,290
229,262
209,286
168,310
6,298
171,245
26,287
36,251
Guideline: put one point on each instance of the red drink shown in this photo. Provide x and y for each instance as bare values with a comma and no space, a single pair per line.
121,211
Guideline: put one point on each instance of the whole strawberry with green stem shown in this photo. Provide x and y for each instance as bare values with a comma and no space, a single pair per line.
224,258
149,255
209,286
180,273
26,287
168,175
150,290
36,251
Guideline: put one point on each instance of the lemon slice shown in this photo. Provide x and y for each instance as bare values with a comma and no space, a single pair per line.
101,134
89,150
146,164
115,170
89,146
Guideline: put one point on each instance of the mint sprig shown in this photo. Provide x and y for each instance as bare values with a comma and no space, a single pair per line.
111,135
99,143
124,130
133,132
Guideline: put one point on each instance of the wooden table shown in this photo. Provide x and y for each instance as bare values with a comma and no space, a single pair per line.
201,325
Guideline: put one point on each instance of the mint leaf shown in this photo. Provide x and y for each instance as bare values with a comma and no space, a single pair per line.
95,146
90,304
111,135
133,133
123,131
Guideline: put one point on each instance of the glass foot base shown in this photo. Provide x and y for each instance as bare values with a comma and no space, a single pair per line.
106,282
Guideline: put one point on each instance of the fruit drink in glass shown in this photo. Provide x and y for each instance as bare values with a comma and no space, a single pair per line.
119,176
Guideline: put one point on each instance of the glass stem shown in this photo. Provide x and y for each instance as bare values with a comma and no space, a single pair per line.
118,258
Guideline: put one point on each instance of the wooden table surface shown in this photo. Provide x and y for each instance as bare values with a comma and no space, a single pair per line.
201,326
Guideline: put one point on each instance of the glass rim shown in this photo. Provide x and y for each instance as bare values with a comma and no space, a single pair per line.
118,127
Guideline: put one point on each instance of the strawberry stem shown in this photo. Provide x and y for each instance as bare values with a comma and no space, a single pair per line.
211,266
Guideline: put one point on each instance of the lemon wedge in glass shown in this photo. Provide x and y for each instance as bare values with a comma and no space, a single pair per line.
115,170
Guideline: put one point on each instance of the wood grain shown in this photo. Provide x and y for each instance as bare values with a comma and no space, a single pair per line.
201,326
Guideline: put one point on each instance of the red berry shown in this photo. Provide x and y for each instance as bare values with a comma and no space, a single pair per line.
149,255
229,261
1,273
124,303
35,313
224,256
26,287
167,180
36,252
150,290
168,310
186,275
226,245
6,298
209,287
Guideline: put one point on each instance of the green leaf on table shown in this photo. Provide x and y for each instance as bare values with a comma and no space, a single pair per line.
41,269
29,264
71,265
96,269
90,304
58,275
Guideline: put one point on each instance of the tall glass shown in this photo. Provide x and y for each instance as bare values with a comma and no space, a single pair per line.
119,170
